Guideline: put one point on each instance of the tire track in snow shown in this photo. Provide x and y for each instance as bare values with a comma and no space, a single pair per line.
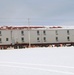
29,64
21,65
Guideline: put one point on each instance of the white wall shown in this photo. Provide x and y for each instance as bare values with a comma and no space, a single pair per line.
50,35
5,34
72,35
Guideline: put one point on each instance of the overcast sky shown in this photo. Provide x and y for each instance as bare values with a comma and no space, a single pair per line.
40,12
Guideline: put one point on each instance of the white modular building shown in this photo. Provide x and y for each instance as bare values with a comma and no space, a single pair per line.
11,36
5,37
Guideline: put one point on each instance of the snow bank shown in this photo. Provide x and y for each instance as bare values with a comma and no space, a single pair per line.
37,61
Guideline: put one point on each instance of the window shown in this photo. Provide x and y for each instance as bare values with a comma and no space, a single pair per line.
38,39
44,32
44,39
22,32
56,32
0,40
68,32
68,38
38,32
0,33
56,38
22,39
7,39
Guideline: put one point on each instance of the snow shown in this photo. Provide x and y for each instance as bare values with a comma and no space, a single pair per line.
37,61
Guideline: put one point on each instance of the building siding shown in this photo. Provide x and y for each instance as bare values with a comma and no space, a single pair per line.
37,36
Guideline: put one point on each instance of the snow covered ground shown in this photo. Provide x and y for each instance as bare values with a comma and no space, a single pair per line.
37,61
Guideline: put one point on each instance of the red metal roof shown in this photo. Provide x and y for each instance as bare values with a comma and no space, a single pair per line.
18,27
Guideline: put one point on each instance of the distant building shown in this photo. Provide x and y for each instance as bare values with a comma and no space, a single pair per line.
35,35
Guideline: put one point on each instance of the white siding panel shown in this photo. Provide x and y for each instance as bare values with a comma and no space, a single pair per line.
5,34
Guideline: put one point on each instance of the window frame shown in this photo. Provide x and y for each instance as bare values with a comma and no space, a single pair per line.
68,38
22,39
44,38
0,40
44,32
38,33
68,32
0,33
56,32
56,38
38,39
22,32
7,39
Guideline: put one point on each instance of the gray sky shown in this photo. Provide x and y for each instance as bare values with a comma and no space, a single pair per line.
40,12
